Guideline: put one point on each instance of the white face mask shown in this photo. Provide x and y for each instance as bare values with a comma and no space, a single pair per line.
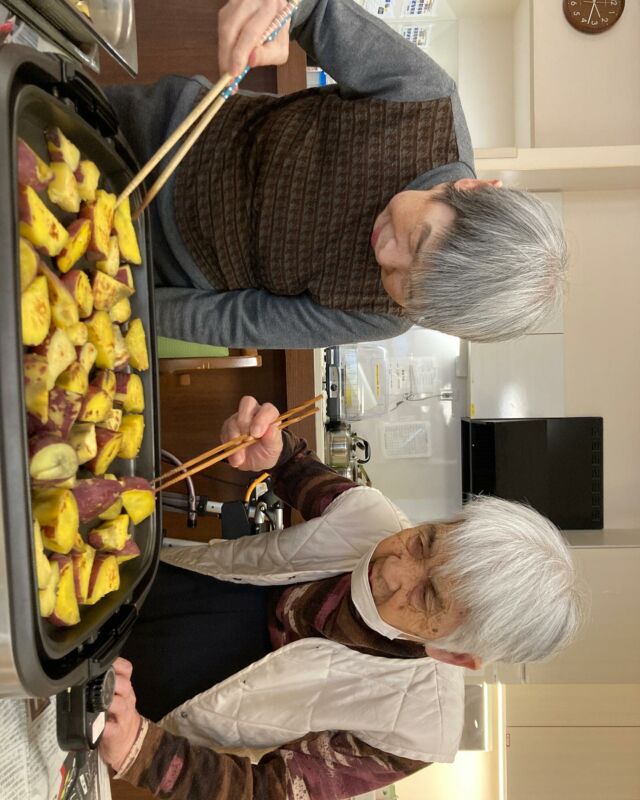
363,600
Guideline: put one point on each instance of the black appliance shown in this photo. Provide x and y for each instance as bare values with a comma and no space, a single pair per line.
553,464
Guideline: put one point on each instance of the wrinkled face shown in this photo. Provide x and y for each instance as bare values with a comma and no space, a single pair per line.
405,590
413,221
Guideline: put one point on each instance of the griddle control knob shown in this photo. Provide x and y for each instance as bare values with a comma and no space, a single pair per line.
100,691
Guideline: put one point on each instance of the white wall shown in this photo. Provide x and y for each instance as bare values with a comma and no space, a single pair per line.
602,336
586,87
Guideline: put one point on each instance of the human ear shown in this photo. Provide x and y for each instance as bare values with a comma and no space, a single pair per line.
473,184
457,659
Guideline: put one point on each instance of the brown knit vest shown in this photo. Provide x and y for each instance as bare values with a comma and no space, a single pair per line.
281,193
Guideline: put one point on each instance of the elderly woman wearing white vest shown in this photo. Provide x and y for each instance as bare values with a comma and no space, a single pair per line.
344,674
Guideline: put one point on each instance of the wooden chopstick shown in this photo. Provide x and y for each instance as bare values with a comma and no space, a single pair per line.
229,451
236,440
226,81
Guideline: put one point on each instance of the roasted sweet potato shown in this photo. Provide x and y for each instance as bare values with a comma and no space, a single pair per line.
112,421
63,189
129,551
87,175
77,283
138,498
47,596
105,379
38,225
59,352
107,291
82,566
111,535
74,379
101,335
78,334
100,212
124,275
79,236
28,263
64,310
87,354
94,496
108,446
51,458
61,149
36,394
96,406
43,568
119,348
130,392
83,440
132,430
56,511
127,240
64,408
111,264
35,312
32,170
121,311
66,611
137,345
105,577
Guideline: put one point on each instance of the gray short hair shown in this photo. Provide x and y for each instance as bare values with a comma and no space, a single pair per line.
513,573
497,273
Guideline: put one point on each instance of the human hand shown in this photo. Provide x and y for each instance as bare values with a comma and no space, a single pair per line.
123,721
257,421
241,24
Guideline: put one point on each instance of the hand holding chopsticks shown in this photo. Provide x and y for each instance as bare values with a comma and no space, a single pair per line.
222,451
202,114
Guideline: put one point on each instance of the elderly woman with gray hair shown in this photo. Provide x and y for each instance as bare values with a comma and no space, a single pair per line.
340,214
323,661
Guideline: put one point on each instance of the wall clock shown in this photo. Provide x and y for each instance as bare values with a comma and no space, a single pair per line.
592,16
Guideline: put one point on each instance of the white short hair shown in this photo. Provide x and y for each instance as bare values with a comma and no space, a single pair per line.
498,272
514,575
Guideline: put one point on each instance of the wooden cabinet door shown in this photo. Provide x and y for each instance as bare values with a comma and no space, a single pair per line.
590,763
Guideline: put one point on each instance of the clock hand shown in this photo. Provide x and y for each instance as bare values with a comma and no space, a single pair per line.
593,5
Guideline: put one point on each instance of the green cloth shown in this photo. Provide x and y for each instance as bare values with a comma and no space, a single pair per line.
176,348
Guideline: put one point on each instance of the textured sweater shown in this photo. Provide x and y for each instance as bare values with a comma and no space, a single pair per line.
320,766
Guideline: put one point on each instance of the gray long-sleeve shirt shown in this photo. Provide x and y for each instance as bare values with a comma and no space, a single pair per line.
367,59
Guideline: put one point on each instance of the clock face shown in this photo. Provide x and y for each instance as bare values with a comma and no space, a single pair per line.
593,16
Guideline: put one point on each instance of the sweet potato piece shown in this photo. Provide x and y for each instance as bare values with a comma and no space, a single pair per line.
66,611
101,335
56,511
124,275
120,348
105,379
78,334
43,568
105,577
111,264
82,566
79,545
108,446
38,225
137,345
28,263
82,438
63,189
77,284
87,176
36,394
79,236
51,458
100,212
130,392
32,170
110,535
112,421
35,311
61,149
64,311
132,430
87,354
113,511
59,352
47,596
64,408
127,239
96,405
107,291
74,379
94,496
120,311
129,551
138,499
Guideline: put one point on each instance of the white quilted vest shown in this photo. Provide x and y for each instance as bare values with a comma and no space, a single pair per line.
409,707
